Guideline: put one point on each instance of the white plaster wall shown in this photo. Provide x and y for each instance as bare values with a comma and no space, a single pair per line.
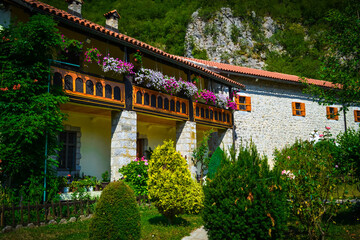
156,133
270,124
95,142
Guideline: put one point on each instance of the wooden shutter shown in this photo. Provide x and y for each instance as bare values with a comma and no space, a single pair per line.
248,103
294,108
303,112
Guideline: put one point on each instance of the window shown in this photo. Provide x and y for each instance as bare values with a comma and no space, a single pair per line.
332,113
243,103
67,156
298,109
357,115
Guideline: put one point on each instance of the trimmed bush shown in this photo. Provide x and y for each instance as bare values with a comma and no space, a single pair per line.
170,185
116,214
245,200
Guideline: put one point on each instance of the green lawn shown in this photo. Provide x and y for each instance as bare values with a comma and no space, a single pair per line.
153,226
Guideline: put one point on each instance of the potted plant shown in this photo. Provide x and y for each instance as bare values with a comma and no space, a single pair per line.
105,179
91,183
97,185
63,184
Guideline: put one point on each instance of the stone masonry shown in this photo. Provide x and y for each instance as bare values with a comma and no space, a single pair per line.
123,140
225,138
271,124
186,141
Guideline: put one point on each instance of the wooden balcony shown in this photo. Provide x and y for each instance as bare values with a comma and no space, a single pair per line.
89,90
156,103
213,116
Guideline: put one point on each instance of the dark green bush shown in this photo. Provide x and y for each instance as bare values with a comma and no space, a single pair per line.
245,200
349,144
116,214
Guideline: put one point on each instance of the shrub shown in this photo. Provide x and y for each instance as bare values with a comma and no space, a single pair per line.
349,144
116,214
311,174
170,185
244,199
215,162
136,175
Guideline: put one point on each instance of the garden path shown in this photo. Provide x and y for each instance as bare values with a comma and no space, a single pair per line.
198,234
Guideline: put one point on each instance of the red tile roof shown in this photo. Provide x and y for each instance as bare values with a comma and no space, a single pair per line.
258,72
86,23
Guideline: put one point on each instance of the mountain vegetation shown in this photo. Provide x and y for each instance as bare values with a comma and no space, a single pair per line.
163,24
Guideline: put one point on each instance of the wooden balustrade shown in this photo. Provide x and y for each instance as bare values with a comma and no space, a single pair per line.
159,103
86,89
211,115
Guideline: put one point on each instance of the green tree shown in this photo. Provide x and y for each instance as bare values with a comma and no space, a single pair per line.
341,64
29,111
170,185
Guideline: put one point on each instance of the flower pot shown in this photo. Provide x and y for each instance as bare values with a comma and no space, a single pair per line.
65,189
98,187
104,184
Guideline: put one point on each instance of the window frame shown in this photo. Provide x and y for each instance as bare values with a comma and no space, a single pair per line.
67,144
334,115
357,115
295,110
246,103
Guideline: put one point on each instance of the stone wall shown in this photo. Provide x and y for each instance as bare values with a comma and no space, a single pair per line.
186,141
123,140
271,124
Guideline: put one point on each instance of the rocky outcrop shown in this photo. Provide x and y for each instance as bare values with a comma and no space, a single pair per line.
229,39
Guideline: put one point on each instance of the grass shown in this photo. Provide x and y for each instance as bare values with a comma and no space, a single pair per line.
153,226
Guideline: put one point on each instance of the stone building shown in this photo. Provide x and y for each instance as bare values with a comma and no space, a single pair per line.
112,120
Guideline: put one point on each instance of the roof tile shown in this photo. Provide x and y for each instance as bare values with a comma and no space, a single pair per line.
257,72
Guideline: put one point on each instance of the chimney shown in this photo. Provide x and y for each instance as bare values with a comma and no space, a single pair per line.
112,19
74,7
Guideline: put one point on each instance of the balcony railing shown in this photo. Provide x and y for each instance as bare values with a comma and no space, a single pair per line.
86,89
212,115
159,103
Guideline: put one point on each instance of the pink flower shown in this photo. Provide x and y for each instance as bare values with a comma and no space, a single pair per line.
288,157
328,128
146,163
139,175
321,135
336,166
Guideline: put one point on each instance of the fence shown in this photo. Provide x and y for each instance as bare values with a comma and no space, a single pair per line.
24,214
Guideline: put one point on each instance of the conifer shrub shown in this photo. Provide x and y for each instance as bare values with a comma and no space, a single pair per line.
215,162
170,185
116,214
244,199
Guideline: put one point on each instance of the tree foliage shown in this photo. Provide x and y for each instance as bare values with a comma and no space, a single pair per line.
28,110
170,185
341,64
